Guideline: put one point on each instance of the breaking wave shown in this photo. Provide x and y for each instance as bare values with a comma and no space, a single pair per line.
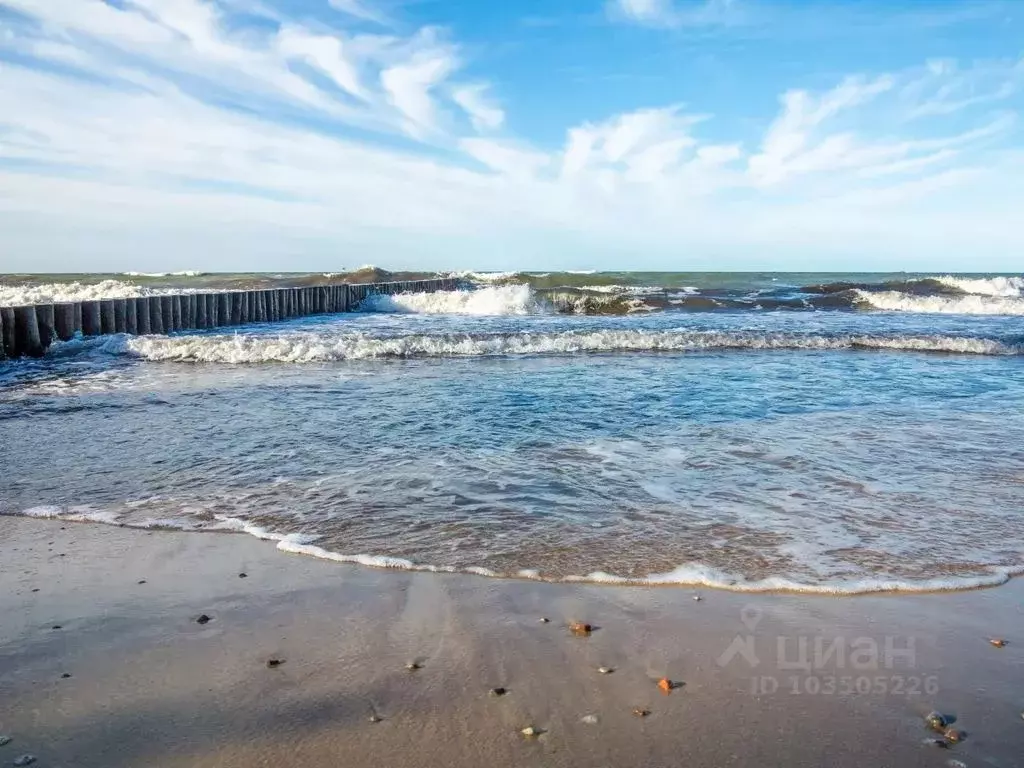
312,347
985,286
54,293
970,304
495,300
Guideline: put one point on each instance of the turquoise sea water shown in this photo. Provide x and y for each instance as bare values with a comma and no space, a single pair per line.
820,432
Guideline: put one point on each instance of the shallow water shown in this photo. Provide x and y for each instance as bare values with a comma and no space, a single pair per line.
834,451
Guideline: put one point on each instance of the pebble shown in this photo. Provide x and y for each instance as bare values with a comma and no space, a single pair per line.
496,692
412,666
375,718
530,732
698,598
543,619
204,619
580,629
243,575
56,626
666,685
936,721
998,642
589,719
954,735
940,743
956,764
25,760
271,663
36,589
66,675
641,712
142,581
5,740
605,670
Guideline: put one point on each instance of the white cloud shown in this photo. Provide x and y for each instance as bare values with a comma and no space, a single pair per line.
294,138
674,13
360,9
482,111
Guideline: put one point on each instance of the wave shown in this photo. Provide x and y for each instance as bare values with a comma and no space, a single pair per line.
896,301
309,347
182,273
689,575
985,286
55,293
496,300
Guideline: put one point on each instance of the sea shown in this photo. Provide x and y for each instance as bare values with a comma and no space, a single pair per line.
833,433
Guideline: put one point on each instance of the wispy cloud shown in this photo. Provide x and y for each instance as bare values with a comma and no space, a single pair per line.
674,13
164,126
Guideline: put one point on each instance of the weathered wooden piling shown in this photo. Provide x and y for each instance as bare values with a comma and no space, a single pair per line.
167,314
131,323
224,308
47,320
64,321
27,340
119,315
156,315
7,339
177,314
3,349
142,325
91,323
107,321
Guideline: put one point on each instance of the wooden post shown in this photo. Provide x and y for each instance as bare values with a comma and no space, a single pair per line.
224,308
167,313
26,332
64,321
7,337
46,317
156,315
176,313
119,315
108,323
91,323
131,323
142,316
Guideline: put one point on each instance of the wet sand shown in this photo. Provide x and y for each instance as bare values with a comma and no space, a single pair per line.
151,687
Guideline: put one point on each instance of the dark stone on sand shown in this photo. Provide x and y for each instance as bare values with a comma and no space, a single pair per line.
271,663
940,743
580,629
66,675
204,619
56,626
641,712
936,721
954,735
142,581
375,718
24,760
497,692
36,589
5,740
243,575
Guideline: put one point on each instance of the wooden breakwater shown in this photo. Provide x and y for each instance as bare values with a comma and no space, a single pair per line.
28,331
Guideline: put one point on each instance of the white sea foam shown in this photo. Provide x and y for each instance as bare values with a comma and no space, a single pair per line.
692,574
895,301
986,286
494,300
182,273
52,293
309,347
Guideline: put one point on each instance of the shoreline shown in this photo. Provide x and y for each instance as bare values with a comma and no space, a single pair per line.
301,545
149,686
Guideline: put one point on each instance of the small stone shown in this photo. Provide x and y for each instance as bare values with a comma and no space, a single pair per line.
36,589
666,685
142,581
936,721
56,626
543,619
589,719
412,666
497,692
5,740
271,663
530,732
605,670
204,619
580,629
954,735
641,712
375,718
998,642
243,575
66,675
24,760
698,598
940,743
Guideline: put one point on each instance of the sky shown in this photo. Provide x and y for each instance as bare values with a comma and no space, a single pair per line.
267,135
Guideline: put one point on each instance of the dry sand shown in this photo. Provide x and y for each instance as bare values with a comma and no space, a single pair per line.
151,687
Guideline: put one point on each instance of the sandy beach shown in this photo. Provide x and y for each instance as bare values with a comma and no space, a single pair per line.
116,610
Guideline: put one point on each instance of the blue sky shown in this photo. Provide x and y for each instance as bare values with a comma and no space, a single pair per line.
238,135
